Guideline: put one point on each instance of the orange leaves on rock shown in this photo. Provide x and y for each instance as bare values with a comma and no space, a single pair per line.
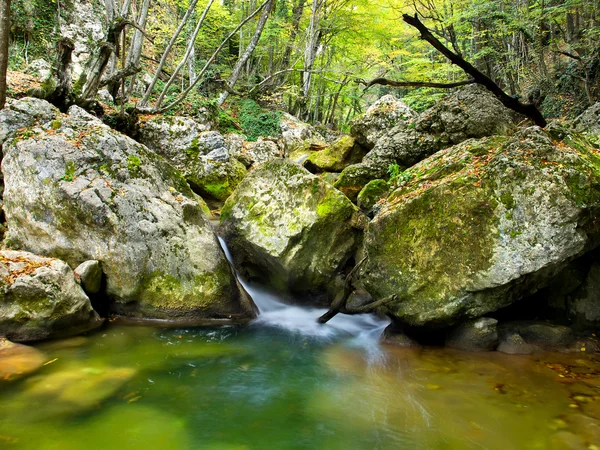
25,267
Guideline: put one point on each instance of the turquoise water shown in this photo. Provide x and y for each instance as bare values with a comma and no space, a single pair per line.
265,387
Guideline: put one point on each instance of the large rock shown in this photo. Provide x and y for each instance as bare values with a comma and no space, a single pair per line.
336,157
85,192
382,115
202,156
17,360
251,153
470,112
25,113
483,224
479,335
295,133
589,121
40,299
290,228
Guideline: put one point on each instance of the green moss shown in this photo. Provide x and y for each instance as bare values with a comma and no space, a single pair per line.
56,124
70,169
194,149
134,164
334,158
507,200
221,183
373,192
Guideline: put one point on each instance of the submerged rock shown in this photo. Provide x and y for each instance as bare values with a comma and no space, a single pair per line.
290,228
382,115
483,224
85,192
202,156
40,299
479,335
536,335
470,112
336,157
18,360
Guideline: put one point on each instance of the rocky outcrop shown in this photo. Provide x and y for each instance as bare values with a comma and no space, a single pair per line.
589,121
40,299
24,113
290,228
80,191
482,224
251,153
336,157
471,112
296,134
382,115
202,156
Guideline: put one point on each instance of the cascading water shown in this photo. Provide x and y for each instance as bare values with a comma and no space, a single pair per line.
365,329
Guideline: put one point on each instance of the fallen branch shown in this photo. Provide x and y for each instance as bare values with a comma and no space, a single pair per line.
526,109
386,82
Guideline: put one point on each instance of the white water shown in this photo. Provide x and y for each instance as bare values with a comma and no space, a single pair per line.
365,329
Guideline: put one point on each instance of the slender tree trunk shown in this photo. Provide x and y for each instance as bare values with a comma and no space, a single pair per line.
163,59
312,44
137,43
188,52
237,69
4,37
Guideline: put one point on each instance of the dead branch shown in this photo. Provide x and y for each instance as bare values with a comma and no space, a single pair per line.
386,82
526,109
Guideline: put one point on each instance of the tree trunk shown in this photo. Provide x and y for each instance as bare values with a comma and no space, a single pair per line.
312,44
239,65
4,37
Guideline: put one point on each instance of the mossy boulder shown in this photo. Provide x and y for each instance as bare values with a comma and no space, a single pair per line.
295,134
40,299
290,229
483,224
203,157
25,113
372,193
335,158
85,192
382,115
470,112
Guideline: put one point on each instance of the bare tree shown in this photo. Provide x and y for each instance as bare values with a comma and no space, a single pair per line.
4,37
239,65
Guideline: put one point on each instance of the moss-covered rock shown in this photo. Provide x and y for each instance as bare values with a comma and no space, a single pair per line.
290,228
40,299
354,178
483,224
373,192
336,157
85,192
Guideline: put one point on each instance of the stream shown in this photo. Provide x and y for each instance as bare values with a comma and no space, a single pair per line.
286,382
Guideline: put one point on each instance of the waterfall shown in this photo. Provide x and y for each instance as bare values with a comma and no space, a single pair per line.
364,329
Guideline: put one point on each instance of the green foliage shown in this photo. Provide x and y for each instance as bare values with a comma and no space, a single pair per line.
133,165
397,176
69,171
256,121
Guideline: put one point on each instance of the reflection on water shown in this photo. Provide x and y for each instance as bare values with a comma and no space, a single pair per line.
266,388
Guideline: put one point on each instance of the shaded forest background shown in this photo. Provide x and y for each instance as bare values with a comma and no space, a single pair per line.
314,58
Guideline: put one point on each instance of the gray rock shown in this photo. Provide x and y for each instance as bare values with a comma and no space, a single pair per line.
90,275
382,115
40,299
41,67
589,121
394,336
479,335
538,335
258,152
481,225
583,305
25,113
295,133
85,192
470,112
514,344
201,156
290,228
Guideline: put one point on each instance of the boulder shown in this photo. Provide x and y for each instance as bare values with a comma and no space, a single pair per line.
537,335
589,121
382,115
85,192
202,156
295,133
17,360
583,305
335,157
40,299
257,152
482,224
372,193
470,112
478,335
290,228
89,274
25,113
